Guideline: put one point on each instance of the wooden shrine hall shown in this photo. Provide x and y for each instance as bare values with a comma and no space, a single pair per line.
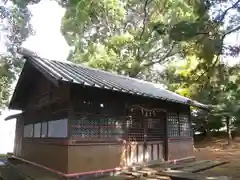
77,119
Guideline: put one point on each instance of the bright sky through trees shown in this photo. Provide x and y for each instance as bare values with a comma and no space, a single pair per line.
48,42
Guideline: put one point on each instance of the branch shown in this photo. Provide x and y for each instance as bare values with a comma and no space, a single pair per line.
222,17
153,54
106,21
232,31
144,25
215,62
144,18
213,65
168,54
221,49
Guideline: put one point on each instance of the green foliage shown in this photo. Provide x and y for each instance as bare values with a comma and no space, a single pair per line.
131,37
16,28
222,90
119,35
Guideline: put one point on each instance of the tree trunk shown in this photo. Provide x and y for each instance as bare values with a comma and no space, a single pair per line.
208,132
228,123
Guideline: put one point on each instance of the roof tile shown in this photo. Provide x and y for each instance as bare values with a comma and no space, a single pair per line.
76,73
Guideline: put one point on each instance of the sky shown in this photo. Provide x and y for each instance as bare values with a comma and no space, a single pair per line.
48,43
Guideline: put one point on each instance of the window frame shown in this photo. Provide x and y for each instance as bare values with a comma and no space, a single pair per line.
46,132
179,123
32,130
105,128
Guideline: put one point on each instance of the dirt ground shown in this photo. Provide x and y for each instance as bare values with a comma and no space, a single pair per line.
217,149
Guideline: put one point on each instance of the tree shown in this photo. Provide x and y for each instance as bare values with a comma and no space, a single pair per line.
15,28
223,92
206,37
132,37
229,97
123,35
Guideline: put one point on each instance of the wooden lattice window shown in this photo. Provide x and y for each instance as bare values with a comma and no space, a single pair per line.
173,125
152,123
96,127
135,129
155,129
83,128
185,129
178,125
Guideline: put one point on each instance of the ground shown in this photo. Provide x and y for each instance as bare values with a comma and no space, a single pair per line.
217,149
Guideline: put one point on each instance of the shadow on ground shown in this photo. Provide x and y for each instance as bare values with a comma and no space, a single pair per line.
217,149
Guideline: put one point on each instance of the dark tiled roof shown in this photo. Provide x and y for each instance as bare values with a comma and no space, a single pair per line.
75,73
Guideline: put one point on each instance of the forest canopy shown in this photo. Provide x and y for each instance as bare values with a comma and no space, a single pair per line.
176,42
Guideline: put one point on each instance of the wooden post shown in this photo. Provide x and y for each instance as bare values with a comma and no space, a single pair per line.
125,135
228,123
70,111
166,150
145,126
179,129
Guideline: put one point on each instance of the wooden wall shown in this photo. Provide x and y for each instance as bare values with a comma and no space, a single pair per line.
45,102
72,155
88,101
51,155
45,93
180,148
90,157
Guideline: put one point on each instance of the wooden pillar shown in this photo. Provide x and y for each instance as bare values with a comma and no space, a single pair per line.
71,112
125,154
190,122
166,150
18,136
145,126
179,129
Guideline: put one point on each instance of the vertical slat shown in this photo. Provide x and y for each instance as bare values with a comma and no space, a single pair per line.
161,149
140,153
133,153
155,152
126,153
151,151
149,154
145,125
137,152
165,144
129,153
179,130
